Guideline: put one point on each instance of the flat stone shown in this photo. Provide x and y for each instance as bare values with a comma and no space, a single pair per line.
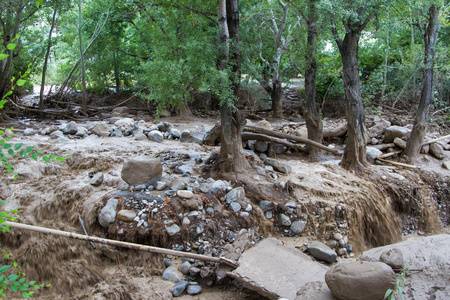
393,258
298,226
142,170
360,280
280,167
139,135
321,251
171,275
97,179
188,137
160,185
393,132
400,143
108,213
126,215
446,164
275,271
185,194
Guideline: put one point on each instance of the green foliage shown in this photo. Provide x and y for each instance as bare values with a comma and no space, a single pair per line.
397,291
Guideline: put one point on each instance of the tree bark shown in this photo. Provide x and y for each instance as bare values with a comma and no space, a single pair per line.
355,150
276,95
116,72
44,68
421,123
314,123
83,71
232,157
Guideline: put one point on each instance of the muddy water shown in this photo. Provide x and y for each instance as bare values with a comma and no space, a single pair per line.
55,195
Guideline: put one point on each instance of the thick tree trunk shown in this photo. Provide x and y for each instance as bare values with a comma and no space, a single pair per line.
276,94
314,123
116,72
232,157
355,150
83,71
421,123
44,68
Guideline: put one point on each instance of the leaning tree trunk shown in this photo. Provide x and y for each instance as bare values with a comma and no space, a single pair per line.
44,68
314,123
355,150
232,157
418,133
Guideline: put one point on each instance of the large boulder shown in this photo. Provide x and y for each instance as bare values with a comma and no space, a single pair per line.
125,123
428,256
100,129
69,128
188,137
378,129
108,213
142,170
360,280
437,150
393,132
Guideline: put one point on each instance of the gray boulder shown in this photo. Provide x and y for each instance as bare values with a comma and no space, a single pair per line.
142,170
120,111
298,226
280,167
261,146
139,135
97,179
29,131
176,133
400,143
372,153
69,128
56,134
360,280
155,136
266,205
188,137
321,251
179,288
101,129
82,131
393,132
125,123
378,129
108,213
437,150
164,126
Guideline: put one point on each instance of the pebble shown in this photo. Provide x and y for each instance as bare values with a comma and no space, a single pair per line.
170,275
266,205
194,289
298,226
236,207
185,194
284,220
160,185
244,214
172,229
186,221
126,215
179,288
184,268
337,236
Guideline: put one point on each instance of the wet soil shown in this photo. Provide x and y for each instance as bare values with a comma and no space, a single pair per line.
372,210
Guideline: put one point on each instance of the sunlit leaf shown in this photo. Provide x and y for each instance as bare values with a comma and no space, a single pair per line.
11,46
17,146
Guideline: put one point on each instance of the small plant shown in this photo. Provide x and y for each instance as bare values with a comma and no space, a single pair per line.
397,290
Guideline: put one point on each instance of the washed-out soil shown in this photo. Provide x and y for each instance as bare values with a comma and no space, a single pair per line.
371,209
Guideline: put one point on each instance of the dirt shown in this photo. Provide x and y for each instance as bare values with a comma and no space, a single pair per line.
371,210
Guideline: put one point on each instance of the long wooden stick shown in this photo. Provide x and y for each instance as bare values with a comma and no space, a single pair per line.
397,163
139,247
290,137
436,140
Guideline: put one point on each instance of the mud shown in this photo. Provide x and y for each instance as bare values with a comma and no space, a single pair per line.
370,210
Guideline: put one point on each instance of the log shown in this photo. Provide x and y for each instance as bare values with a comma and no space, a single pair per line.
289,137
261,137
139,247
394,163
436,140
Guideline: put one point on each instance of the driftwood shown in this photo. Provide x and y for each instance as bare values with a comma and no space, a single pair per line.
139,247
261,137
289,137
436,140
382,147
394,163
386,155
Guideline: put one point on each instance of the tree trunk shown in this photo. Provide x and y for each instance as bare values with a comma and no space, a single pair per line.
44,68
232,157
116,72
276,94
83,71
314,123
355,150
421,123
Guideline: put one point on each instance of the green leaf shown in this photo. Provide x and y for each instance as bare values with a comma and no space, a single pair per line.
9,166
29,149
37,287
4,268
23,288
39,153
59,159
21,280
21,82
11,152
33,156
11,46
45,158
25,295
7,146
9,171
13,277
32,282
388,292
3,56
13,287
23,154
17,146
52,156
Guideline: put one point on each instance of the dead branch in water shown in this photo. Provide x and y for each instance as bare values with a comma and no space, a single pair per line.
139,247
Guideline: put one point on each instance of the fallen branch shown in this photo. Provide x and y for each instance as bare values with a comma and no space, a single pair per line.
436,140
139,247
383,147
386,155
397,163
290,137
261,137
85,232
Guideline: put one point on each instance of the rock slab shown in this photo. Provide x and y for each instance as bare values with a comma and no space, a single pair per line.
142,170
360,280
321,251
276,271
